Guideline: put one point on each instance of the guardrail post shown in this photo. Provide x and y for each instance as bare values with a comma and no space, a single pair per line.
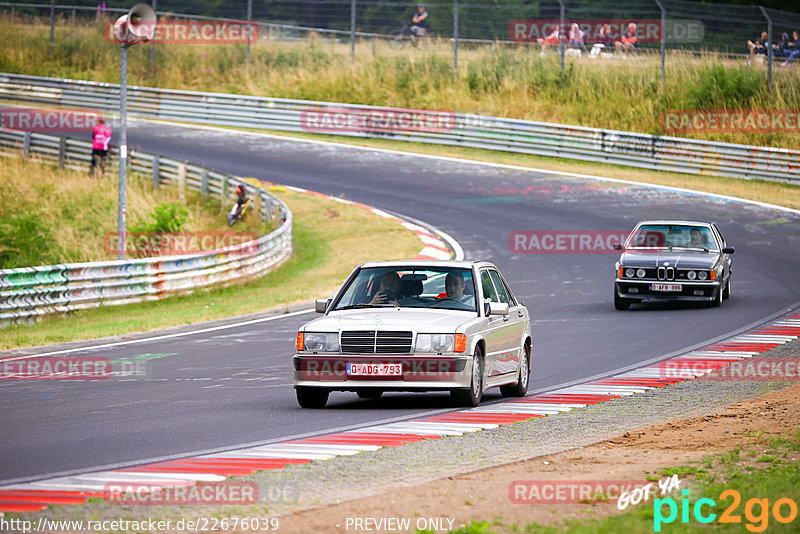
26,145
257,204
769,48
156,178
182,182
52,25
455,36
204,182
12,14
72,18
223,196
62,145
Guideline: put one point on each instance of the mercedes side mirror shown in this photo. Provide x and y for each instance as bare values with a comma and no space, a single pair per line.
320,305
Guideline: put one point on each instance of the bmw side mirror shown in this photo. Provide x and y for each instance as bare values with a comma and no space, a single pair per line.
728,250
320,305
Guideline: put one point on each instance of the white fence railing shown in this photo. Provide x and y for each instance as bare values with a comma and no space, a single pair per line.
28,292
655,152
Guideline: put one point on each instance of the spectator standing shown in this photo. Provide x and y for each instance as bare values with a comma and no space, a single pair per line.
101,137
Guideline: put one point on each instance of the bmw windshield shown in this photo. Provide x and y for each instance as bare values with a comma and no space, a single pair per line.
673,236
410,287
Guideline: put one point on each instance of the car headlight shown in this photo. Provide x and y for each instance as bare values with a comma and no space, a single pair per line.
435,343
692,275
319,342
629,272
702,275
640,273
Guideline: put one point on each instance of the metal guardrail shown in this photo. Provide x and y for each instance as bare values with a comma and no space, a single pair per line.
28,292
655,152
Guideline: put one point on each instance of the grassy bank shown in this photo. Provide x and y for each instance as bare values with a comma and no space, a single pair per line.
512,82
323,255
50,216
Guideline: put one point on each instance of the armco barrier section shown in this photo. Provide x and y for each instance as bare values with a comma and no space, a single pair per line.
28,292
661,153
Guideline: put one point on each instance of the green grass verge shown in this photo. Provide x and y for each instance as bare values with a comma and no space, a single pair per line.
771,477
323,255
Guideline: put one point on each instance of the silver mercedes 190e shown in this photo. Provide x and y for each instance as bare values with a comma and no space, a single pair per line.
416,326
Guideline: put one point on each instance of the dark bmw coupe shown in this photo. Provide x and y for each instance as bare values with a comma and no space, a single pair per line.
673,260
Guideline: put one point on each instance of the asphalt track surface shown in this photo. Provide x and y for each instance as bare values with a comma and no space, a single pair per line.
228,387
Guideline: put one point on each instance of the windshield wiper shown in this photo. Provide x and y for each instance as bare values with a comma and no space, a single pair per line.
365,305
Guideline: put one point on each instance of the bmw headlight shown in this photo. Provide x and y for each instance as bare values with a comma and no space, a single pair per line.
640,273
692,275
629,272
319,342
702,275
434,343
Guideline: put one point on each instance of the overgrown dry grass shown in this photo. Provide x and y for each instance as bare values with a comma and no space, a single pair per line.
50,216
496,80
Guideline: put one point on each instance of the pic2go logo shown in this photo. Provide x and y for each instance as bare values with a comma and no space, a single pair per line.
757,521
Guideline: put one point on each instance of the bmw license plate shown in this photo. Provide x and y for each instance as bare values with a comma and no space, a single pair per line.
374,369
665,287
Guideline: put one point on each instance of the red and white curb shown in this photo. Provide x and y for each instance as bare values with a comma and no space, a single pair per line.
35,496
434,248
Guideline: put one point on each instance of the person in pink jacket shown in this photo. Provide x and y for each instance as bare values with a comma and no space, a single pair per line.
101,136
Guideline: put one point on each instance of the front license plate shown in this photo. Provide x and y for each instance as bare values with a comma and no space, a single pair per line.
665,287
374,369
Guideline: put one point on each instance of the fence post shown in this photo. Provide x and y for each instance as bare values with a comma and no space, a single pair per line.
182,182
12,14
663,39
62,146
204,181
769,48
26,145
352,31
249,19
52,25
561,37
223,196
156,178
72,18
153,43
455,36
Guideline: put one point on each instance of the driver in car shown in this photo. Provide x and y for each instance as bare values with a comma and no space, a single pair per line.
696,238
387,291
454,286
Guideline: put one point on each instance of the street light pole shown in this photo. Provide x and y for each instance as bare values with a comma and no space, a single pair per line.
123,150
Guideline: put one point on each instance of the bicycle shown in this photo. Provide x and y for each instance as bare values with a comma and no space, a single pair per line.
399,36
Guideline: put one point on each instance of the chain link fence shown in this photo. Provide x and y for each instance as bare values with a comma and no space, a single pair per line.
571,29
